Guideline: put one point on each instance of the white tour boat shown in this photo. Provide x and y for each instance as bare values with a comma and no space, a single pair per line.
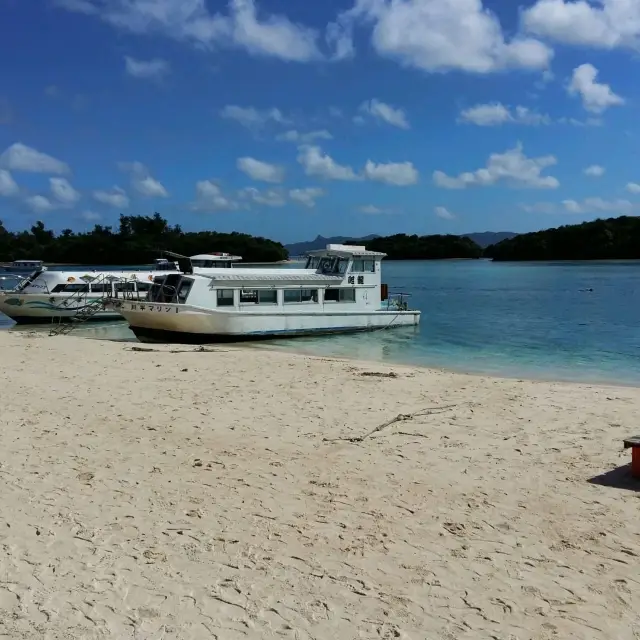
338,291
46,295
22,266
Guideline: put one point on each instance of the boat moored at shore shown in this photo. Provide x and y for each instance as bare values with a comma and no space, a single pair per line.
45,295
338,291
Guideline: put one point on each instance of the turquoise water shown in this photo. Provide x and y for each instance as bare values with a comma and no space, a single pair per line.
517,319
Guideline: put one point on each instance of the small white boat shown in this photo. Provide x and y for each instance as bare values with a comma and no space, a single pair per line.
22,266
338,291
46,295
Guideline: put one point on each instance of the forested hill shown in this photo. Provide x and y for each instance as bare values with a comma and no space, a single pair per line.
612,239
438,247
138,240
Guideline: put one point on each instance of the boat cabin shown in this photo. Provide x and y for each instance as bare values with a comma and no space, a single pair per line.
339,274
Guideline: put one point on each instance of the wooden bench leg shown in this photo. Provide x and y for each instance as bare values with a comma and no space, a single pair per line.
635,462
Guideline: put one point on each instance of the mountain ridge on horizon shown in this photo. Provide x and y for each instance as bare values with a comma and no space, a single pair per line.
482,238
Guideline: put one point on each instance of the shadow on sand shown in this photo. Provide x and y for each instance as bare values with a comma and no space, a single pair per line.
618,478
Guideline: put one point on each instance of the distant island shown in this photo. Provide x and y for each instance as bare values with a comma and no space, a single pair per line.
320,242
611,239
414,247
482,239
137,240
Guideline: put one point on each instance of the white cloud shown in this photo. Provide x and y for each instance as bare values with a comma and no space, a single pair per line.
594,171
40,204
633,187
512,167
443,213
8,186
306,196
116,197
262,171
319,164
596,97
606,24
396,117
191,21
269,198
372,210
399,174
90,216
495,113
588,205
154,69
251,117
20,157
440,35
142,181
304,138
210,198
63,192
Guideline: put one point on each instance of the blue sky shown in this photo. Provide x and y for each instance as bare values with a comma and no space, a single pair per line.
341,117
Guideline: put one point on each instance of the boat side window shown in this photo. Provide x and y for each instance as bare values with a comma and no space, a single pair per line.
291,296
58,288
76,287
183,289
363,266
143,286
224,297
340,295
259,296
100,288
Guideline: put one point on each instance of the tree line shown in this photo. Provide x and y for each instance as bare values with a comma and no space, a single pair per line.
137,240
611,239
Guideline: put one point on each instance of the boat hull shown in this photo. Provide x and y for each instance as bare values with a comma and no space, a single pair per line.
180,323
35,308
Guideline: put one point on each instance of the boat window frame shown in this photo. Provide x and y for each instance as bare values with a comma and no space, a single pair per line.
340,291
258,301
313,298
359,265
219,297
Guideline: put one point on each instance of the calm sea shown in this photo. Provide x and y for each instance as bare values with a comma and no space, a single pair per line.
563,321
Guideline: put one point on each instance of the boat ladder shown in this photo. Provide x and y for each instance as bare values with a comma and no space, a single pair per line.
83,311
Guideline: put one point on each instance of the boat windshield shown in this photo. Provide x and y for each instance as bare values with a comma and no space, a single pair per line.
328,265
172,289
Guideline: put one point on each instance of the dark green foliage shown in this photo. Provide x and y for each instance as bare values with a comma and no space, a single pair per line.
404,247
139,240
612,239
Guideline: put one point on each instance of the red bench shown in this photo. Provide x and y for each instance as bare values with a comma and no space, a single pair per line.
634,444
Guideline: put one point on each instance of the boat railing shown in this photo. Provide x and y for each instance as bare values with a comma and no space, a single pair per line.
397,301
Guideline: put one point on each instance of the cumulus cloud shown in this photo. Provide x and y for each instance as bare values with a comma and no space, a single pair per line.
594,171
8,186
304,138
306,196
495,113
384,112
511,167
269,198
399,174
115,197
20,157
142,181
321,165
596,97
251,117
155,69
261,171
211,199
444,213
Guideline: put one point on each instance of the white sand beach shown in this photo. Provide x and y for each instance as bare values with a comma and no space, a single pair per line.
188,495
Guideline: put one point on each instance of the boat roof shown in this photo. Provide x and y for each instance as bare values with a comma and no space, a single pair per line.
215,256
27,262
346,251
249,275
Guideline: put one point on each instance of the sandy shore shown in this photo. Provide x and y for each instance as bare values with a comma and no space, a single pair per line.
196,495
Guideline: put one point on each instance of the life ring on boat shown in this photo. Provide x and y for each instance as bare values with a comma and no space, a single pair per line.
150,278
71,279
